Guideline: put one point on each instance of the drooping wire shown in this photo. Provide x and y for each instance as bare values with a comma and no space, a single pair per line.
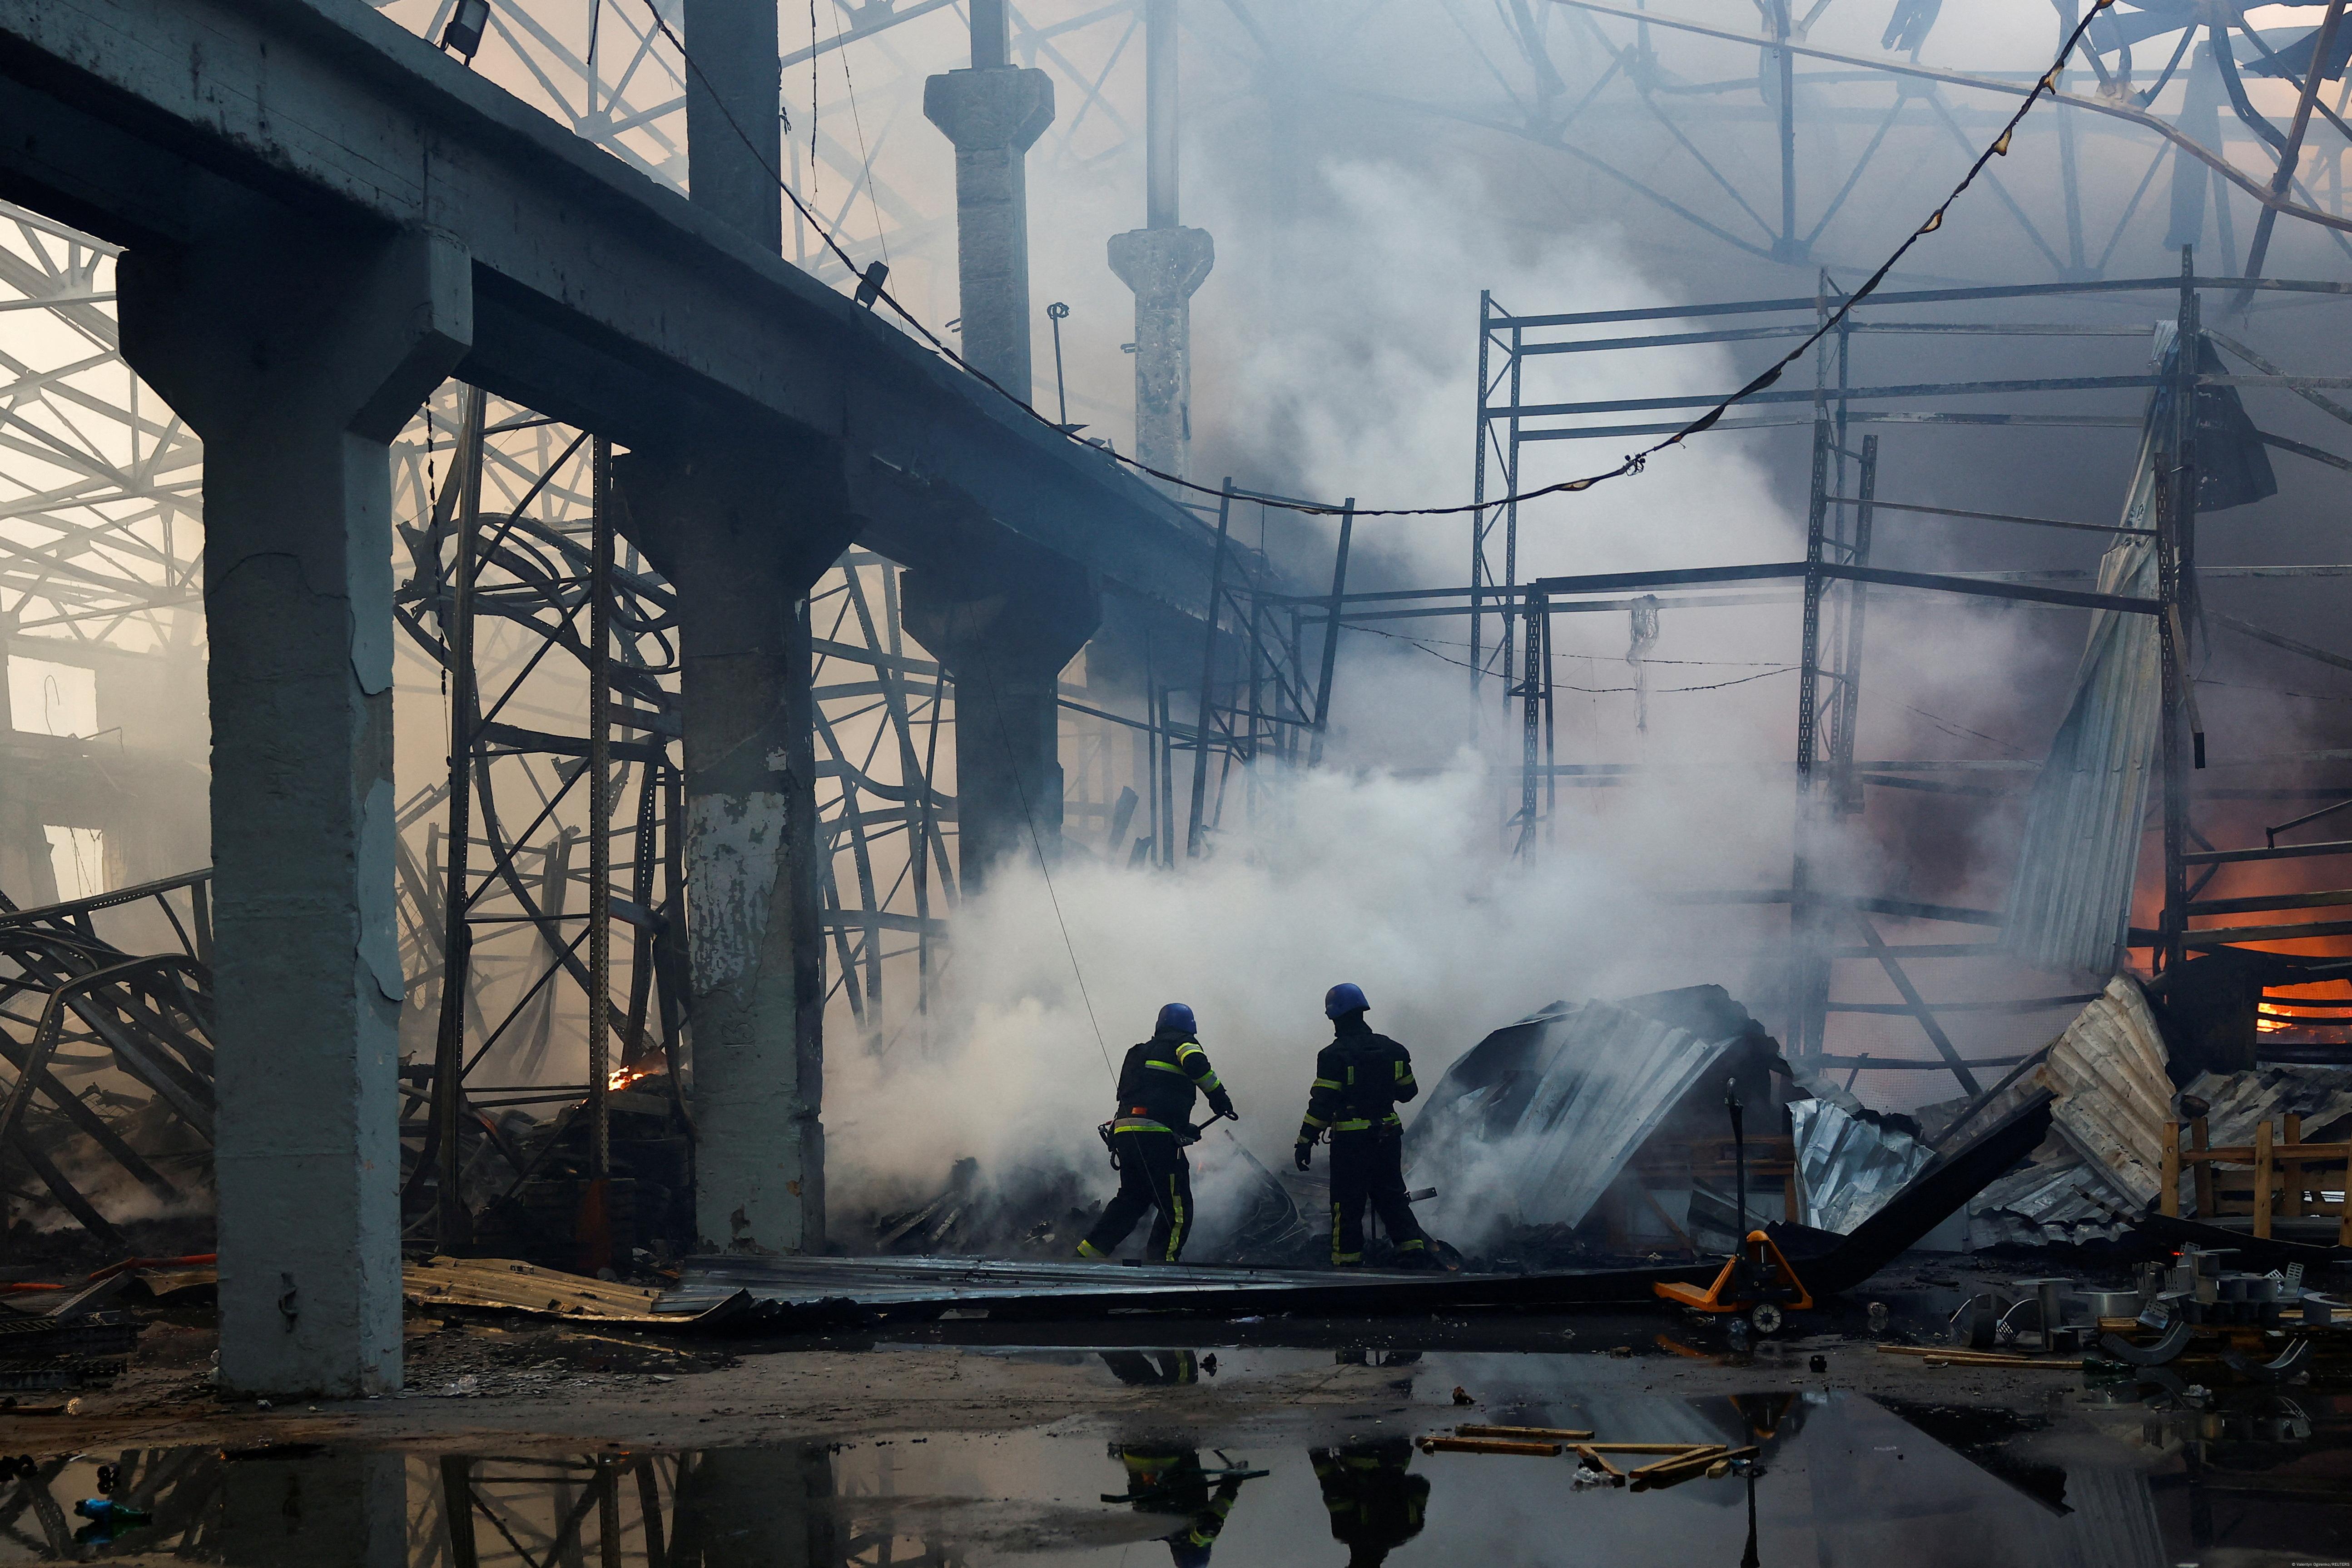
1634,463
1037,842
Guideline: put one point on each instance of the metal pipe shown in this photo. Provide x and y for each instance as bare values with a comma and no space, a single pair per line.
600,826
452,1223
1208,677
1332,633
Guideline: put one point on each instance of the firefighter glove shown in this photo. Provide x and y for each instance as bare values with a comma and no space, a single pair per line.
1222,1103
1303,1155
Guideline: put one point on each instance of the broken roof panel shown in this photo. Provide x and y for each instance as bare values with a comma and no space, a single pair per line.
2237,1101
2115,1099
2068,904
1551,1109
1848,1166
2043,1204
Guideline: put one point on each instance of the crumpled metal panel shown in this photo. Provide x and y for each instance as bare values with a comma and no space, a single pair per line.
2070,1199
2070,900
1604,1077
2042,1204
1848,1167
2115,1099
2321,1095
1612,1078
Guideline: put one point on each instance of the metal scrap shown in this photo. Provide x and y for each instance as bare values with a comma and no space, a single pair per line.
1848,1166
1560,1100
2114,1105
504,1285
2068,904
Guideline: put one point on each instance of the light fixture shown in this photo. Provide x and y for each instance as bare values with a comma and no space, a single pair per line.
464,33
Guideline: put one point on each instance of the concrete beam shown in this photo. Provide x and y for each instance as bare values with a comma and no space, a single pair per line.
601,298
298,354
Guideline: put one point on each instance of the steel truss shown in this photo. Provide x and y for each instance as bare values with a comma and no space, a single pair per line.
1579,79
477,1510
1832,587
602,68
1255,698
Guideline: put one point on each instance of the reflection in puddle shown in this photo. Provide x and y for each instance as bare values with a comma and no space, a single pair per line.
1838,1479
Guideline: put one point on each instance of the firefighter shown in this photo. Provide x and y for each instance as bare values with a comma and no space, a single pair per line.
1162,1478
1360,1077
1376,1504
1146,1137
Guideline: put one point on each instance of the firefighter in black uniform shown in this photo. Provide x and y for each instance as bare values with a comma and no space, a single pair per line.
1166,1479
1156,1085
1360,1077
1375,1502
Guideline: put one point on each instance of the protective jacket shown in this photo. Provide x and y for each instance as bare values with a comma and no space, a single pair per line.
1360,1078
1157,1083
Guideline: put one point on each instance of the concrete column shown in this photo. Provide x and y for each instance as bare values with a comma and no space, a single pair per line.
741,529
734,151
1163,266
993,114
759,1508
340,1506
298,354
1005,643
1163,262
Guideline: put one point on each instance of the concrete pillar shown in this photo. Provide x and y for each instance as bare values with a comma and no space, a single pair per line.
301,1511
298,354
994,114
772,1507
1163,262
1163,266
733,141
741,527
1004,637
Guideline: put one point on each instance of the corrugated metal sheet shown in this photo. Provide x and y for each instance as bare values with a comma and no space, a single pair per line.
2064,1198
2070,900
1603,1077
2321,1095
2044,1204
504,1284
2115,1100
884,1283
1847,1167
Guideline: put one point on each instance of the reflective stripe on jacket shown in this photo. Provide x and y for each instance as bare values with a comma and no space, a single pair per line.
1157,1084
1360,1078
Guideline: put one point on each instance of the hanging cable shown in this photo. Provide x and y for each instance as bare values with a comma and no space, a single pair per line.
1634,462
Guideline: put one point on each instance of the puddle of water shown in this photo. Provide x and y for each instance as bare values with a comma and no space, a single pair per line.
1840,1478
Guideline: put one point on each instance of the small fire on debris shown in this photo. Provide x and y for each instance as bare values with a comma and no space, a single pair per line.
623,1077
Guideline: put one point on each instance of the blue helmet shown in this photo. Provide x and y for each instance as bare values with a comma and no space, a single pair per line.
1175,1018
1343,999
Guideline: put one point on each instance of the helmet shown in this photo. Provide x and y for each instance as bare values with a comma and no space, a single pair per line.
1175,1018
1343,999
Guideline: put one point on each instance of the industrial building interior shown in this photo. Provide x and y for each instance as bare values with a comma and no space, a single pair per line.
643,637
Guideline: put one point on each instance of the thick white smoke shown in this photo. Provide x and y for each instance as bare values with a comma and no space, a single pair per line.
1399,884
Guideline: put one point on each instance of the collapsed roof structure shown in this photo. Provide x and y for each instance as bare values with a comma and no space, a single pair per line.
536,953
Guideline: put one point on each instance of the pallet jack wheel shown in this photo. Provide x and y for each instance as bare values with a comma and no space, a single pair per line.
1765,1319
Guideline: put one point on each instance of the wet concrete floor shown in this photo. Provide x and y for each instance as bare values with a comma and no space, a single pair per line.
2102,1474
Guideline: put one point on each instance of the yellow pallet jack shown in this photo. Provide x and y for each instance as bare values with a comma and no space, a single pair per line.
1758,1279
